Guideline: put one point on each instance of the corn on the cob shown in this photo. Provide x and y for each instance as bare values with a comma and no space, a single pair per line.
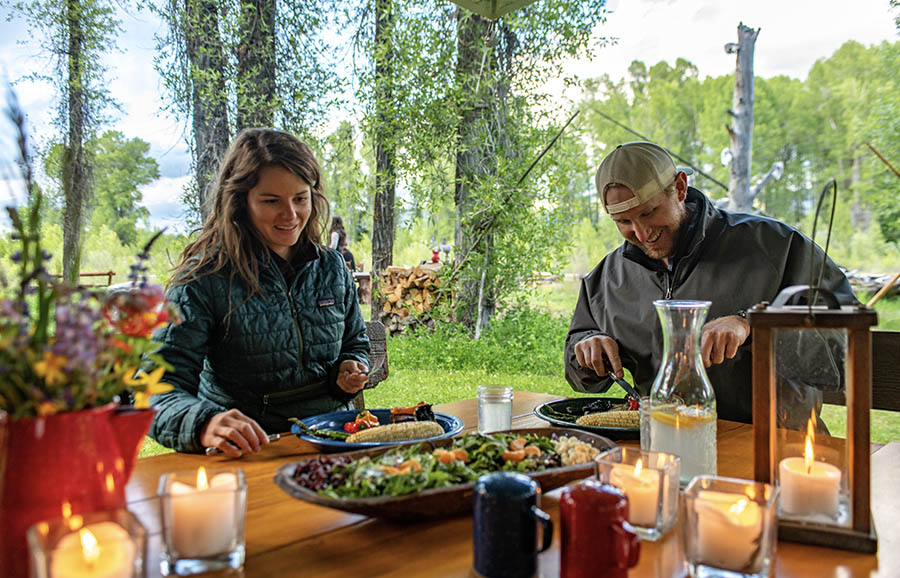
397,432
621,418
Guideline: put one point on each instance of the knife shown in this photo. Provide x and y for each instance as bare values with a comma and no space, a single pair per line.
624,385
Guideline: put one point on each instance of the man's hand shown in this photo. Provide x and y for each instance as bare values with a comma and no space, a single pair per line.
590,354
352,376
722,337
233,433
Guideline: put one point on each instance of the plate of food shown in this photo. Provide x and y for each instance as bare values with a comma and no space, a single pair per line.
347,430
615,418
437,478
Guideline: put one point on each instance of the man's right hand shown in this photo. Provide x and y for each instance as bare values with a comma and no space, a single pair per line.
233,433
590,354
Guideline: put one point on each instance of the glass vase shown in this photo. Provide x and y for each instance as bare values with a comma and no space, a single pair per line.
682,400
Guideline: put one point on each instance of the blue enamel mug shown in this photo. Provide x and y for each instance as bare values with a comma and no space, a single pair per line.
506,515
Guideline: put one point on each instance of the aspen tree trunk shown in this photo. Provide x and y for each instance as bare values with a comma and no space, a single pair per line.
741,129
76,170
385,177
256,95
210,113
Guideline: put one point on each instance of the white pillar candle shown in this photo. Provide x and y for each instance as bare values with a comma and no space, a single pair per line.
203,517
729,527
101,550
809,491
809,487
641,485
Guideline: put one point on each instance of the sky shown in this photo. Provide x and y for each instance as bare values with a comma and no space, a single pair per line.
793,35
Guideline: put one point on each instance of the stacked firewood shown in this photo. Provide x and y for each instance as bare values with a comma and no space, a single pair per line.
409,295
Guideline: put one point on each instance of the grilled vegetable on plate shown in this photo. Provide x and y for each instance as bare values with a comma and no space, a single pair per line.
321,430
615,418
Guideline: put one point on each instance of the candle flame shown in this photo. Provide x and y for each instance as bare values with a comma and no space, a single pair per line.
75,522
66,509
738,507
751,492
808,456
110,483
638,465
89,546
202,482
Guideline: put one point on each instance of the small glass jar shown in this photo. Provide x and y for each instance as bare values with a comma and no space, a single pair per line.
111,543
202,520
494,408
730,527
650,480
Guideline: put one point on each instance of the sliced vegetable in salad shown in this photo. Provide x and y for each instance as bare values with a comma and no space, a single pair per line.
408,469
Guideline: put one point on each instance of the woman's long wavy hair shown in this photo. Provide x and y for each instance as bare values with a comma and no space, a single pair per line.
227,237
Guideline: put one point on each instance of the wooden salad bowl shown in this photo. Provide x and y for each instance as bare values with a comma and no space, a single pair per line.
438,502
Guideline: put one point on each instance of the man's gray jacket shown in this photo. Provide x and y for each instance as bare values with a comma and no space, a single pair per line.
735,260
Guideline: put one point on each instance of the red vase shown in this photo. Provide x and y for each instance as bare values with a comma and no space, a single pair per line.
82,458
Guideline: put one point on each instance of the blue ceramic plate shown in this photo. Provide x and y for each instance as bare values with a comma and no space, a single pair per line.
335,421
574,406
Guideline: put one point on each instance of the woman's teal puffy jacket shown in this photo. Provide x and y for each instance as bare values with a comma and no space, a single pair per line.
276,356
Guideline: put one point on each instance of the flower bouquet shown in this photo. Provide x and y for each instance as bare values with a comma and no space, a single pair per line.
70,357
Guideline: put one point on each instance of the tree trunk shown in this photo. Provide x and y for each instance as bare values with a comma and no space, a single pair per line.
481,138
208,95
741,130
76,170
385,177
256,94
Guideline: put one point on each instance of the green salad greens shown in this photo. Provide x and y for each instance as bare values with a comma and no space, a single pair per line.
407,469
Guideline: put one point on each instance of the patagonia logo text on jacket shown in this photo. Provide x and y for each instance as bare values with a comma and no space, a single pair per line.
327,302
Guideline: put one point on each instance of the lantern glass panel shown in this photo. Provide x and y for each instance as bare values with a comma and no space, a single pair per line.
811,459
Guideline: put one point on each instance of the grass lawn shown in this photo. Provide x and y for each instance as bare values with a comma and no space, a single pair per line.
525,351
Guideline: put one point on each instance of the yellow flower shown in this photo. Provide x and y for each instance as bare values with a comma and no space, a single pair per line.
51,368
148,382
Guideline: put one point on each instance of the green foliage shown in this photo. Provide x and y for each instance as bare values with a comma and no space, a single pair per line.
120,167
520,341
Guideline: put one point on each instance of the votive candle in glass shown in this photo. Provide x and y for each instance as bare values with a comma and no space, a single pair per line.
109,544
202,520
730,527
650,481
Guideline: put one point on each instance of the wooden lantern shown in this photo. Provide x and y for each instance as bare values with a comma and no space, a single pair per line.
808,513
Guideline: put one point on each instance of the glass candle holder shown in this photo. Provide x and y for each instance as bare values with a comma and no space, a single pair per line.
494,408
112,544
730,527
650,480
202,520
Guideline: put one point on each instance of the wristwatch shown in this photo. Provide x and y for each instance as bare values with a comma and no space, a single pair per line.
742,313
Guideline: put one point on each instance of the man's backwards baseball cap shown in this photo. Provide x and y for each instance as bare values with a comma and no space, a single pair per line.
643,167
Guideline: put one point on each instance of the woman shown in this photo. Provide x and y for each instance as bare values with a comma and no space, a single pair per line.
271,326
339,242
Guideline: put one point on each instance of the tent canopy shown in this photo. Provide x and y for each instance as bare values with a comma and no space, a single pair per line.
492,9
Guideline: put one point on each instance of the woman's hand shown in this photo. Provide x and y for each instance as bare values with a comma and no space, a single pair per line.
233,433
352,376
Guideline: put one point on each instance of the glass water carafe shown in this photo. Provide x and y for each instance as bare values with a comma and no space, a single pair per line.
682,400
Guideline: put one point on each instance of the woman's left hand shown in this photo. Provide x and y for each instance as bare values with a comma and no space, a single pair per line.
352,376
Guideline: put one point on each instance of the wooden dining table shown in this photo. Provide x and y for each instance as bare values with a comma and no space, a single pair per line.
286,537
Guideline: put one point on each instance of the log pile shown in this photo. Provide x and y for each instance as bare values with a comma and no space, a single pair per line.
872,282
409,295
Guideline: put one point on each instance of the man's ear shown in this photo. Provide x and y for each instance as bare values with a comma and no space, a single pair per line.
681,185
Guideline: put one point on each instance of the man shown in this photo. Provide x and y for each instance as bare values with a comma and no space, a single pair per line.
678,245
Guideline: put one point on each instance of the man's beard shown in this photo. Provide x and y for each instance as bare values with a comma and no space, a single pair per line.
672,233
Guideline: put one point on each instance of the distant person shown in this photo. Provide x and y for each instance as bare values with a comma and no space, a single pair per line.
339,242
678,245
271,323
